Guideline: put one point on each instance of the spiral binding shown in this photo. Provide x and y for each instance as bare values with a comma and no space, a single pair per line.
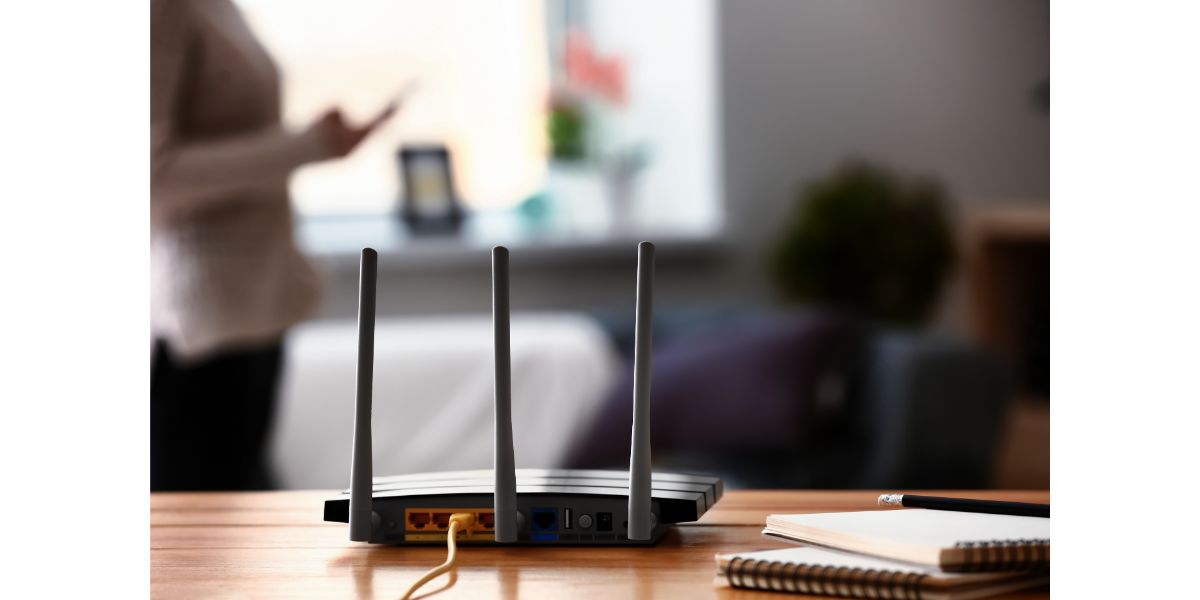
1003,555
823,580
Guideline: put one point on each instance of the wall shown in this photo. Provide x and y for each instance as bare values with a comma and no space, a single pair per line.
933,86
941,87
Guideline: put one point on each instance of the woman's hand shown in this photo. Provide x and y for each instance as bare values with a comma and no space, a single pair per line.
342,138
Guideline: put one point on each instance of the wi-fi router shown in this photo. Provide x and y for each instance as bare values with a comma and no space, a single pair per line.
517,506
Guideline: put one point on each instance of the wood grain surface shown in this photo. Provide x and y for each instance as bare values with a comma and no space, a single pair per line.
275,545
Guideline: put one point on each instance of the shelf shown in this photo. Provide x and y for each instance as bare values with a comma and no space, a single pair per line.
337,241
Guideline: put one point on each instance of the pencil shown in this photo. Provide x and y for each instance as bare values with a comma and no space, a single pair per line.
995,507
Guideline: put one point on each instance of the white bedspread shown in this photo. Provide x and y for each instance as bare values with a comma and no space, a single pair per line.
434,392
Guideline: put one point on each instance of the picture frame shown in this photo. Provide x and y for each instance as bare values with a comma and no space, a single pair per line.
429,201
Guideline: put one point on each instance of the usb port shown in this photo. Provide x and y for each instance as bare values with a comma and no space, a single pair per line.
567,518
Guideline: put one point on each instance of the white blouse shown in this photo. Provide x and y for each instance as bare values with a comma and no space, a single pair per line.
225,271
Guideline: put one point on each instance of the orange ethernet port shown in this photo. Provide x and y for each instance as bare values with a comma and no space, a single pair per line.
486,520
438,518
418,520
441,519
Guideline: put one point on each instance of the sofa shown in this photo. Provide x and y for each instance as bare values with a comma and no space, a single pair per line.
763,398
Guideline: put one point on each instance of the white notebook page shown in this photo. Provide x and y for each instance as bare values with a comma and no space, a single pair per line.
920,527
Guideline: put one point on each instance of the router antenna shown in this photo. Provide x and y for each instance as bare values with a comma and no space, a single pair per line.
361,488
641,520
504,495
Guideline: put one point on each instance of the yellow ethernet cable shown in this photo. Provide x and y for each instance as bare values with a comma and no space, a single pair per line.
458,521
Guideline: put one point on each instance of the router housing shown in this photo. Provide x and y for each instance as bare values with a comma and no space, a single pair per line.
565,506
511,506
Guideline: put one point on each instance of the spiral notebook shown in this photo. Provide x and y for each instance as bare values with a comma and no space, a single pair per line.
948,540
811,570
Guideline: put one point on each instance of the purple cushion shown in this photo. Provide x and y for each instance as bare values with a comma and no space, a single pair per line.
747,386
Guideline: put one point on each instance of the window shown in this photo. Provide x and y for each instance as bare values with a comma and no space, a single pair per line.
492,76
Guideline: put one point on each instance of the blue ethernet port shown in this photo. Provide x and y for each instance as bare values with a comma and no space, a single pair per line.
545,519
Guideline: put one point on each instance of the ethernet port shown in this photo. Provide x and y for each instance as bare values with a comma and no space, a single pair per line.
487,520
545,519
418,520
442,520
604,521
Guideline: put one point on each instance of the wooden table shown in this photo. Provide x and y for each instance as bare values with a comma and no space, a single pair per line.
275,545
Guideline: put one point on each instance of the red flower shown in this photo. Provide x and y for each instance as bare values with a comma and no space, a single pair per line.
604,76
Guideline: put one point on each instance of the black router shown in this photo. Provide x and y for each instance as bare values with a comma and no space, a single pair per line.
511,506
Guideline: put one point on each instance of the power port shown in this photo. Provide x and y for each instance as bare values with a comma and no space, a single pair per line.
604,521
545,519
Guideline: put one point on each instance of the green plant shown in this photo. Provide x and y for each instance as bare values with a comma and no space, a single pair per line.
870,241
566,127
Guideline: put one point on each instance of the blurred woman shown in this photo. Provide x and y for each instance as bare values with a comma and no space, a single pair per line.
227,280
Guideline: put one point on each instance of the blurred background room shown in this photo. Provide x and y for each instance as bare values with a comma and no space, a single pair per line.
850,201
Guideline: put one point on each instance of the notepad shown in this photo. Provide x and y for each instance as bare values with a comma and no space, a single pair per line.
810,570
949,540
